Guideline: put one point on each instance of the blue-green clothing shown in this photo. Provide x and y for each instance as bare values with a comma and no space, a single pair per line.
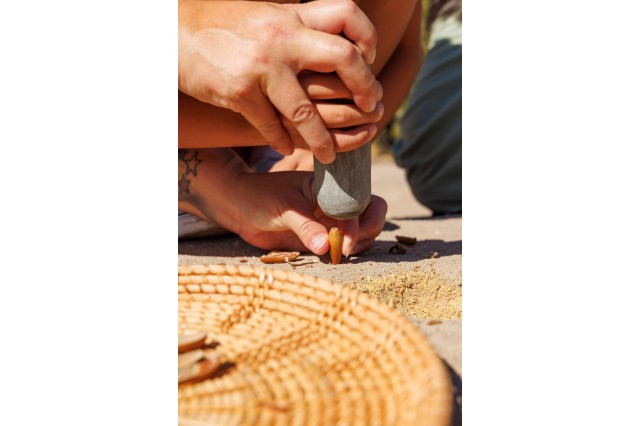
431,146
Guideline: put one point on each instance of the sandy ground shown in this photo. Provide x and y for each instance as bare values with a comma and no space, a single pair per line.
424,284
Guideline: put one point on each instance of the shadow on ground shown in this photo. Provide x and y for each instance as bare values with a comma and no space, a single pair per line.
433,217
233,246
229,245
423,249
456,385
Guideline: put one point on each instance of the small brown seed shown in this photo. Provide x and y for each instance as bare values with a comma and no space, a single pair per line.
335,245
398,249
280,257
407,241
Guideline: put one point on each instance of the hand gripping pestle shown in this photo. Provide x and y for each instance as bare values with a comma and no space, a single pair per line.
343,188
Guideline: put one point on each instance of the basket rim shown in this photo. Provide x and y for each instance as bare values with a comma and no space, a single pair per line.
441,397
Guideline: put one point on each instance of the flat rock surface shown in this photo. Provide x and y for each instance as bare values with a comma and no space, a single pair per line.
424,284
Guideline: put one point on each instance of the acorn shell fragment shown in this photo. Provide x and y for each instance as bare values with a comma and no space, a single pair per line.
280,257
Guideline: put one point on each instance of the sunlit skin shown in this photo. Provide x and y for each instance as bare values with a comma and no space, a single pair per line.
268,210
245,56
279,210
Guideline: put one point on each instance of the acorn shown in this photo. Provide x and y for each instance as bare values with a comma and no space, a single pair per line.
335,245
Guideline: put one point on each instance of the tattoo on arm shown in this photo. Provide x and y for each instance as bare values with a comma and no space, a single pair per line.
188,163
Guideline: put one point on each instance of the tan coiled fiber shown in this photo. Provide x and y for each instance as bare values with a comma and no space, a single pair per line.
303,351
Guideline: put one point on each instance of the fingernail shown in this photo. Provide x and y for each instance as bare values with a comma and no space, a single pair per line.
374,105
372,57
317,243
372,129
380,91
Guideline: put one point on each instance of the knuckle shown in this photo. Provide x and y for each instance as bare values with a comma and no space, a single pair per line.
346,51
303,112
342,115
269,127
349,6
306,229
239,94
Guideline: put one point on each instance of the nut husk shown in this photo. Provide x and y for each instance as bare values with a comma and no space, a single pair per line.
200,370
335,245
398,249
189,342
280,257
407,241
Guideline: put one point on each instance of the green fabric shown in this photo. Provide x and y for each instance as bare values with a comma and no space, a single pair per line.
431,146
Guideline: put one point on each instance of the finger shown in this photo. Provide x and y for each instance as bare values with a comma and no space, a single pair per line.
341,16
349,229
282,240
336,116
289,98
326,53
372,220
259,112
313,235
363,246
344,140
348,140
319,86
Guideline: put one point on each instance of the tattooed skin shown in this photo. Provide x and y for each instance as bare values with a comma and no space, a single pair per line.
188,163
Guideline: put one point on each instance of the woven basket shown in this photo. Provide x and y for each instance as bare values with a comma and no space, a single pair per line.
304,351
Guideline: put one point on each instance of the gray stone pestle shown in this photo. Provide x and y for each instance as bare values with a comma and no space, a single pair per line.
343,187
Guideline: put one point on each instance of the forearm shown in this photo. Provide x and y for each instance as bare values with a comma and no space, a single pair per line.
390,18
398,74
201,125
207,184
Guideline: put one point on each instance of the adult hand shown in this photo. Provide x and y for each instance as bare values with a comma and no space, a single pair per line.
245,56
280,211
348,125
268,210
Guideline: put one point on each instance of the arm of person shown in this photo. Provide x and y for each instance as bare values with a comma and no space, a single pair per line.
267,210
201,125
397,62
245,56
399,55
397,73
390,19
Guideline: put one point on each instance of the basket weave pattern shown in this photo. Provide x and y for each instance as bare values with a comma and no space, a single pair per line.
305,351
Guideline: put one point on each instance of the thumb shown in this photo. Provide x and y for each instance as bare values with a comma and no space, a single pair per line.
312,234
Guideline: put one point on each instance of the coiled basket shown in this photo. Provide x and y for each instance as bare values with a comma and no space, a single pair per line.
297,350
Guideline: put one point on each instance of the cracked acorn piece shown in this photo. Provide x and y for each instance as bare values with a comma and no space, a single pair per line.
191,341
200,370
280,257
335,245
